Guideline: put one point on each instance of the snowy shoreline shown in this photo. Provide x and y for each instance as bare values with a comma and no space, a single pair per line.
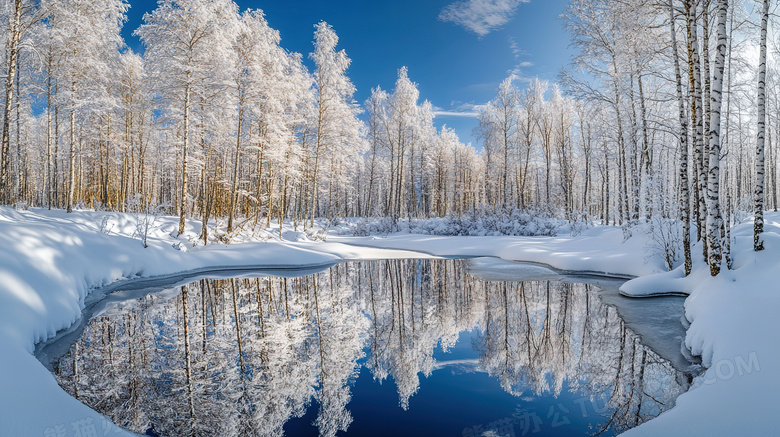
53,262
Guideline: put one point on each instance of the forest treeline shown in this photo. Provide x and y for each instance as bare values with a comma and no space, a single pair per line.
660,119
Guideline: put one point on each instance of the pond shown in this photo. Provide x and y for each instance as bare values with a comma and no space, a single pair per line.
392,347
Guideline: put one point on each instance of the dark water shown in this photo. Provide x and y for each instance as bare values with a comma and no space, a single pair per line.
399,347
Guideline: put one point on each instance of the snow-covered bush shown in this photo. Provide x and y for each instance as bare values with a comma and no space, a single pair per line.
371,226
145,221
664,240
105,225
317,234
362,228
579,223
481,223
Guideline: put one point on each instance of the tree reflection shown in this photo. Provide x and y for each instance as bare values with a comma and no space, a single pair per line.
243,356
537,335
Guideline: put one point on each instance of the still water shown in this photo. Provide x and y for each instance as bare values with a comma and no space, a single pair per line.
393,347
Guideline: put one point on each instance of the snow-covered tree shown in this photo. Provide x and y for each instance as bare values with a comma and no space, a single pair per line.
186,42
336,127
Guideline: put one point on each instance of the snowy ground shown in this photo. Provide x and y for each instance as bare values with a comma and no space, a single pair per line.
52,260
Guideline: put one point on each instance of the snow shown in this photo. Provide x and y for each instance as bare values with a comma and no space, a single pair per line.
52,261
599,250
732,320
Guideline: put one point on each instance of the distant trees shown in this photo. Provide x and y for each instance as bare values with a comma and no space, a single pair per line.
499,126
525,132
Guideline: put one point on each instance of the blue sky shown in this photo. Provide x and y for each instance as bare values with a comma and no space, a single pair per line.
457,64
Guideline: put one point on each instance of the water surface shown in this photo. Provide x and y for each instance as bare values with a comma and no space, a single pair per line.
395,347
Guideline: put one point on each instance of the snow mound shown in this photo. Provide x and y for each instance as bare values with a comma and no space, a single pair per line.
732,318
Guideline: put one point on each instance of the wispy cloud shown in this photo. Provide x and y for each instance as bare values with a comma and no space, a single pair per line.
480,16
456,114
516,50
518,75
468,366
467,110
517,72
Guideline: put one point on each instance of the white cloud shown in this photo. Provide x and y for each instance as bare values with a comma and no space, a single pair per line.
467,110
456,114
519,74
480,16
516,50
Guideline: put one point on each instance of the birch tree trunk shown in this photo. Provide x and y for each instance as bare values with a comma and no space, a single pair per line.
14,35
714,217
313,202
72,166
685,196
49,95
705,78
234,187
758,223
185,144
697,118
647,153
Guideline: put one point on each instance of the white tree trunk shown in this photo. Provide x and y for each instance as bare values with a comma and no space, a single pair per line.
234,187
14,35
685,196
72,166
185,145
758,223
697,118
714,217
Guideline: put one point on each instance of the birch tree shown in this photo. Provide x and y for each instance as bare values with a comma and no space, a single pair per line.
14,35
87,36
714,217
758,222
336,111
685,197
257,70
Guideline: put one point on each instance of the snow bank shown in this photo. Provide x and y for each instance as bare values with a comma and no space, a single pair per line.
599,250
733,319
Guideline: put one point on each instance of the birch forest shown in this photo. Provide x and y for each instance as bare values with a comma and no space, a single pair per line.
666,121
